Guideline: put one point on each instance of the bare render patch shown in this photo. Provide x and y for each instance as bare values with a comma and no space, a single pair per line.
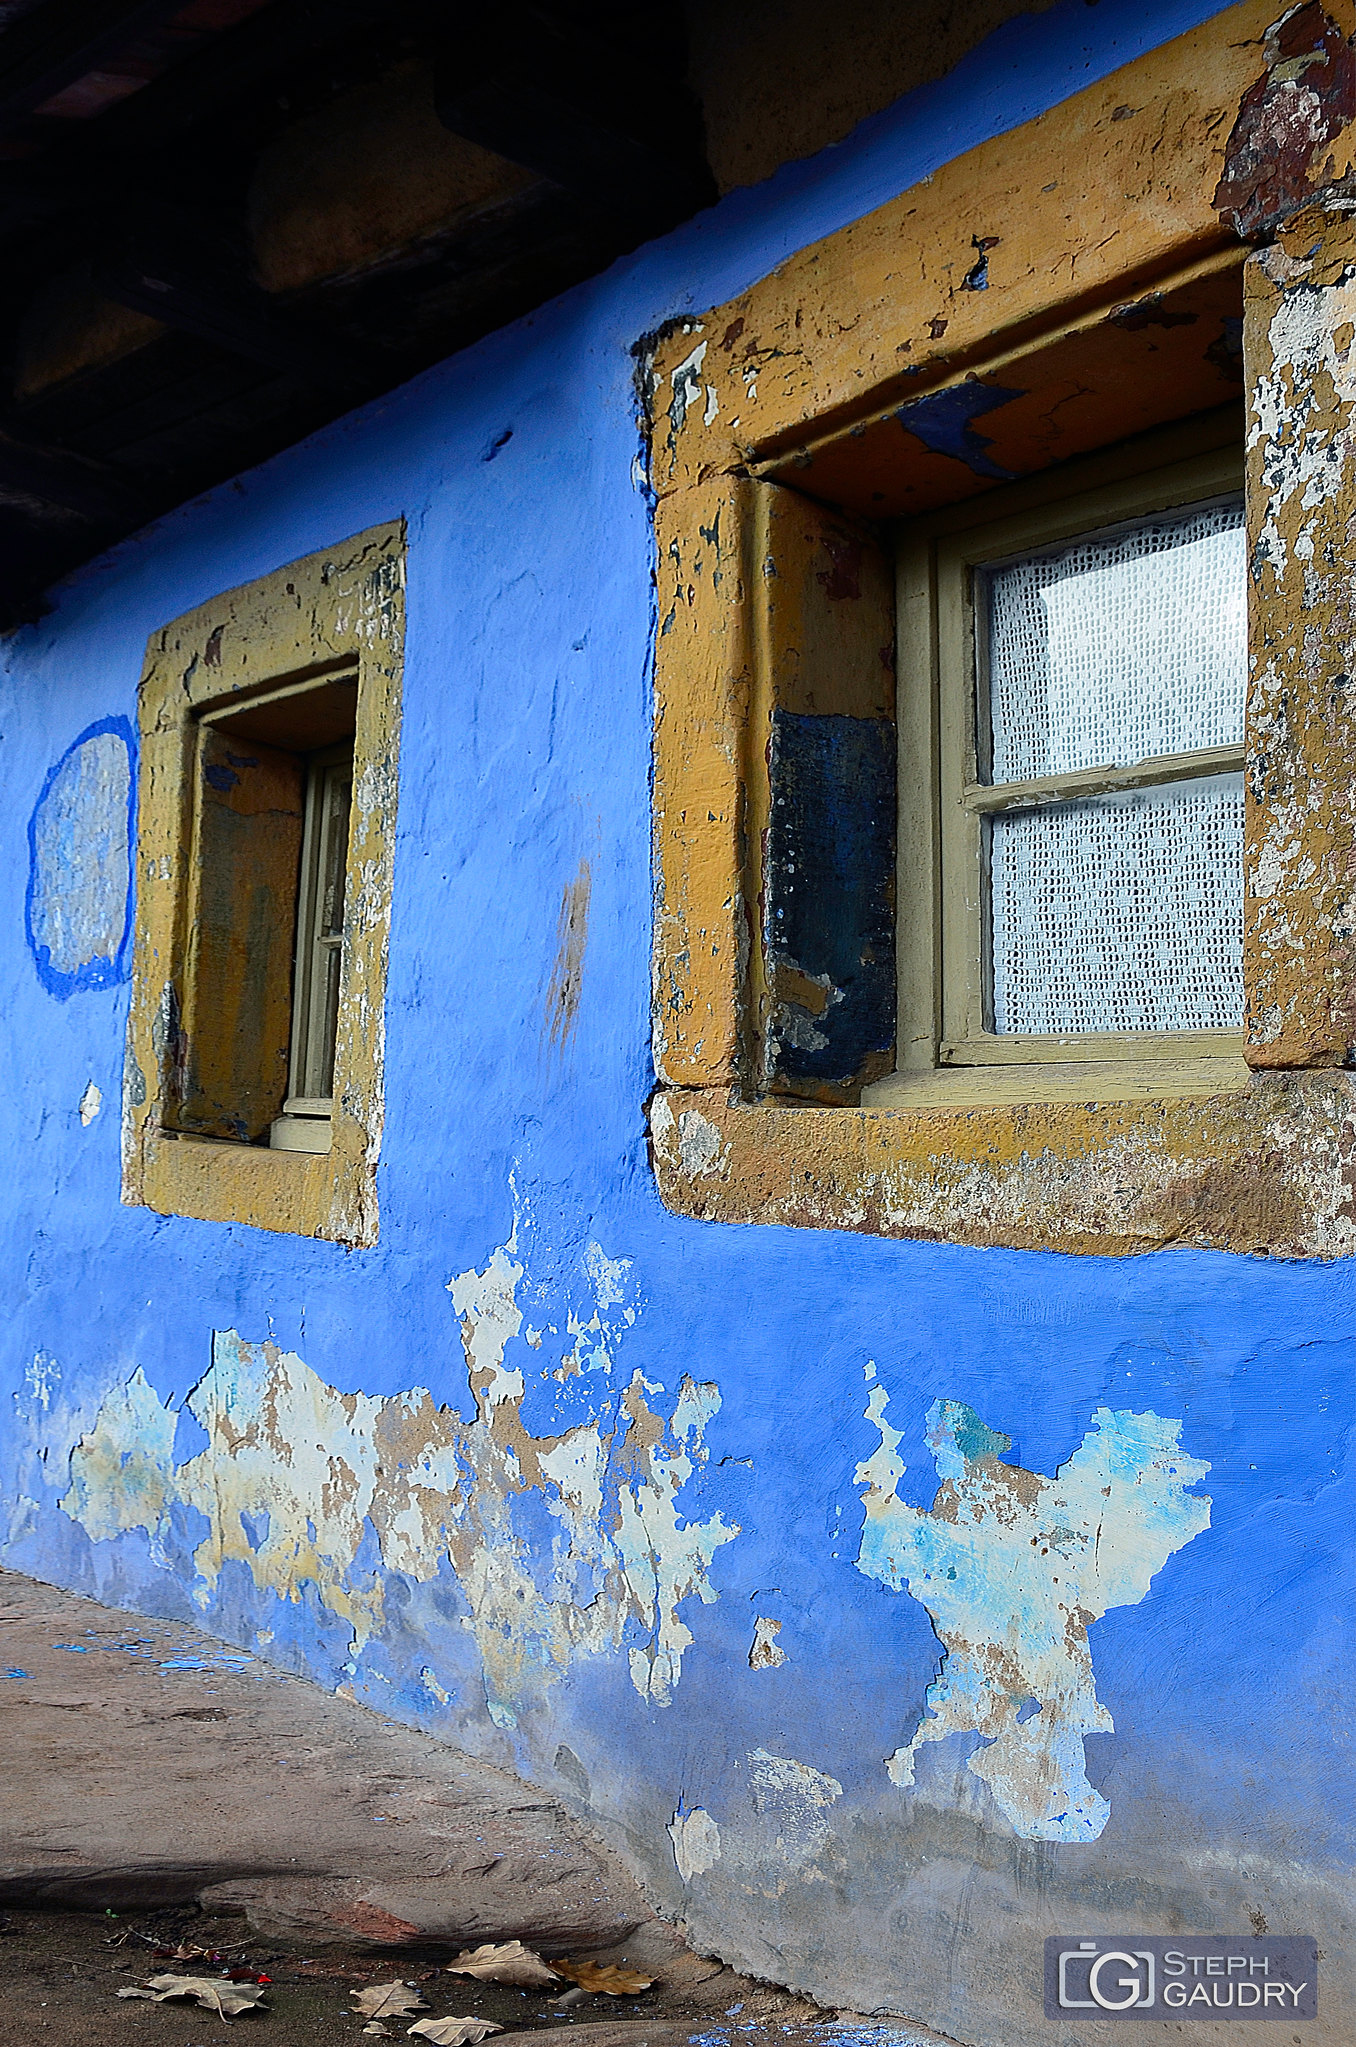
1014,1568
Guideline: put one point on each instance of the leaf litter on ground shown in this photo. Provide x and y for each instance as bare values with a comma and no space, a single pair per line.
212,1992
506,1961
607,1978
454,2032
386,2001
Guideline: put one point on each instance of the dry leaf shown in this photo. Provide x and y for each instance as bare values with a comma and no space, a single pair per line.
453,2032
383,2032
506,1961
387,2001
612,1981
212,1992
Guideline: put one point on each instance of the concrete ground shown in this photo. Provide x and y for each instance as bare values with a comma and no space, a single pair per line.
161,1791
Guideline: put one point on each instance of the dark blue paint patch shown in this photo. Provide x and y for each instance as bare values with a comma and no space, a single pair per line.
944,421
829,893
106,965
222,778
190,1437
976,277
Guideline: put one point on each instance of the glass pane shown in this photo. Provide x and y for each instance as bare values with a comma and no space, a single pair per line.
1121,913
333,800
334,849
1120,648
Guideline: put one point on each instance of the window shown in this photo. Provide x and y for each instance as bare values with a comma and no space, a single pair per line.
1156,1077
272,792
1072,687
269,731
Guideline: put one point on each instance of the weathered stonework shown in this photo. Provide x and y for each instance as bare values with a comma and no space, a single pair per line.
1300,903
1269,1170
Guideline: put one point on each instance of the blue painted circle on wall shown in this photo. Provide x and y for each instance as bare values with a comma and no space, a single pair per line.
78,908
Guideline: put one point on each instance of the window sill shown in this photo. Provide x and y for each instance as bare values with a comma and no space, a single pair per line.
1087,1081
1261,1168
313,1194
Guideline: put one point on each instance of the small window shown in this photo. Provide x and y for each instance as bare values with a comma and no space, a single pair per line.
1072,689
270,730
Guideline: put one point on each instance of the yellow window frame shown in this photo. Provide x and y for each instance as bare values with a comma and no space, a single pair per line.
1096,221
337,613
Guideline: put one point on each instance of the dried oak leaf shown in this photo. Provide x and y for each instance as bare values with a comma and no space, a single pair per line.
382,2032
612,1981
386,2001
453,2032
225,1999
506,1961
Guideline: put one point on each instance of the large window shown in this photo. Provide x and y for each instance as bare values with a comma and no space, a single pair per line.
1084,985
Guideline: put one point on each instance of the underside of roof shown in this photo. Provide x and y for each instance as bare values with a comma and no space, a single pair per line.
229,221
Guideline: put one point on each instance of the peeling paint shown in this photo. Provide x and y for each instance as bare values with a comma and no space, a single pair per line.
1300,870
944,421
796,1797
1014,1568
1265,1169
696,1843
1280,150
295,1473
765,1652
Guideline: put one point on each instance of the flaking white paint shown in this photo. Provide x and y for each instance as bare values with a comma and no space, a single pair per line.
696,1843
297,1476
1014,1568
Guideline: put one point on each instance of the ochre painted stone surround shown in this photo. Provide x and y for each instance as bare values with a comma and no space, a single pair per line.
341,610
1029,255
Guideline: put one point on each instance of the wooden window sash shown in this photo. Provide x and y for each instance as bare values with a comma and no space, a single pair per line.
944,926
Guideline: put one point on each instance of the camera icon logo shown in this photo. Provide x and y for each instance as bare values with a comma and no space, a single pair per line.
1105,1979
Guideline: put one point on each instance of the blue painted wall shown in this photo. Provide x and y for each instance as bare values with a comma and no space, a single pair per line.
520,1223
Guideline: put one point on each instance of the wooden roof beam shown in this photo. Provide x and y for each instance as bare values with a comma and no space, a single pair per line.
45,51
550,96
68,483
169,268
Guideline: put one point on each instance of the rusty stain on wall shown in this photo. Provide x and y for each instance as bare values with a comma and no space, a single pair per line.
1014,1568
567,975
295,1473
